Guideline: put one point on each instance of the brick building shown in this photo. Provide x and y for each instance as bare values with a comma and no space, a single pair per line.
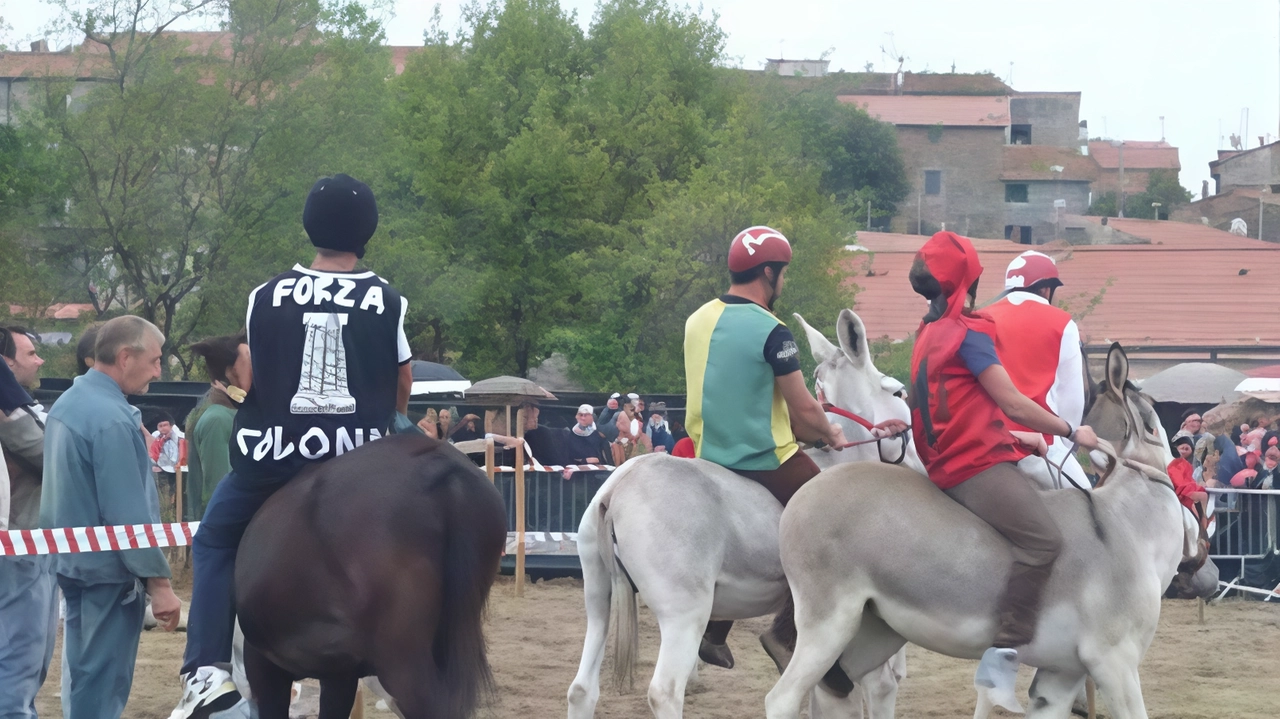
951,149
1256,168
1042,186
1132,160
982,164
88,64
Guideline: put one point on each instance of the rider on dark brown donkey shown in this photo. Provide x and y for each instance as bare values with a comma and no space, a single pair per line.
962,404
747,399
331,372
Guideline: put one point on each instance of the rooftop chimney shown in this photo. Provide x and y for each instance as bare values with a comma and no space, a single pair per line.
40,46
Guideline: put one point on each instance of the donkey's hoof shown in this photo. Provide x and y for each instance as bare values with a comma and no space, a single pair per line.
716,654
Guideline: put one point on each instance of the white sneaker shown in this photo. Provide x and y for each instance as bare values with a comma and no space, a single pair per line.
998,673
206,691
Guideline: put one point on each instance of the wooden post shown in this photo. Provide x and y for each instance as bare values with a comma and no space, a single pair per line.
1200,608
357,710
1091,697
177,473
488,458
519,499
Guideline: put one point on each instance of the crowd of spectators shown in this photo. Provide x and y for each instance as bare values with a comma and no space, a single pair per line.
626,426
1248,458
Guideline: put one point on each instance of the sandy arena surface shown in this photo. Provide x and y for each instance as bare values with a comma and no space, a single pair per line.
1229,667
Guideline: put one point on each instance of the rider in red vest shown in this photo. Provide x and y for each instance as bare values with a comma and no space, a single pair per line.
1039,346
964,408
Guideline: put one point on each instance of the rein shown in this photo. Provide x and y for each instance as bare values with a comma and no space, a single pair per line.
869,426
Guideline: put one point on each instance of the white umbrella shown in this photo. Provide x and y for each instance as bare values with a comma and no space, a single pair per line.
1194,383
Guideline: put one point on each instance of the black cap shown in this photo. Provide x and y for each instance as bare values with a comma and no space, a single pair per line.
1183,440
340,214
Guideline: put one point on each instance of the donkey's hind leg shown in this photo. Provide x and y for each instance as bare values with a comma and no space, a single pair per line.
1053,693
584,692
820,641
272,687
677,658
337,697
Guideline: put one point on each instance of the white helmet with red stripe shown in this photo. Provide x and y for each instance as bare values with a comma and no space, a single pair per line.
1031,270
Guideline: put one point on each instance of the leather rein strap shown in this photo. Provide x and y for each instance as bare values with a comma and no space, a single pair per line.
869,426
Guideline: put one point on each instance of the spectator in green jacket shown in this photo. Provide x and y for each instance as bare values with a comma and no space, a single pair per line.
226,360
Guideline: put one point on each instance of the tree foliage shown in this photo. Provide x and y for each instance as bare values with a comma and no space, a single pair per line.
1162,187
541,188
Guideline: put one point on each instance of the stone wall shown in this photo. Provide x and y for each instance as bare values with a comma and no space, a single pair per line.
1250,169
1038,211
1054,117
971,201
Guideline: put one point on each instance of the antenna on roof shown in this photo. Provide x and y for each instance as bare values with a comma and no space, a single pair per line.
1162,128
1009,82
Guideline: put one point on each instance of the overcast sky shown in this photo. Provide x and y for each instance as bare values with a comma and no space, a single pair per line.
1199,64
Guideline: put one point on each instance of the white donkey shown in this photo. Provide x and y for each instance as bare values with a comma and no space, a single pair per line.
918,567
698,541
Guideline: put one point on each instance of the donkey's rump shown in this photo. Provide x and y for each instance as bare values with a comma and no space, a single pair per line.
371,558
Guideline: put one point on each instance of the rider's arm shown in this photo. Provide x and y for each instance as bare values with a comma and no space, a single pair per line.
808,421
1023,410
404,388
1067,393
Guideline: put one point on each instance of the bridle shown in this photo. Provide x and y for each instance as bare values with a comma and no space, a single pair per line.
869,426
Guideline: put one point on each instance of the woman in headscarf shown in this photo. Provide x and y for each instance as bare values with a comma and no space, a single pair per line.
963,403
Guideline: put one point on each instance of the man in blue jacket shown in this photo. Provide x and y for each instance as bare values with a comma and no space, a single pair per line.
97,472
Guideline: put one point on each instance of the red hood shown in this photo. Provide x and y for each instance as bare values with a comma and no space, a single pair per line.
953,262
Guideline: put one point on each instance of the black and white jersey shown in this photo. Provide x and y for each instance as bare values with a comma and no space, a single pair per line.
327,349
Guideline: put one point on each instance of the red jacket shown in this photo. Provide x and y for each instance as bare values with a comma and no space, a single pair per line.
1183,484
958,429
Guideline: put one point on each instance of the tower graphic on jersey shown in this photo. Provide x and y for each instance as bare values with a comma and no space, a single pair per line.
322,387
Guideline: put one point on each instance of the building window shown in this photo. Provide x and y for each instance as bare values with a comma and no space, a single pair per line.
1019,134
1018,233
1015,193
933,182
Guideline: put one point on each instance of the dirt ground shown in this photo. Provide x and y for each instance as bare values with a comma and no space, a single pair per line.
1227,667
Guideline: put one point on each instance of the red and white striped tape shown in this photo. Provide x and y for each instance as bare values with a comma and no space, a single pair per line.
535,467
74,540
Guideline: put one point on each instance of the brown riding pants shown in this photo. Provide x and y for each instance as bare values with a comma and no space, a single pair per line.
1004,498
786,480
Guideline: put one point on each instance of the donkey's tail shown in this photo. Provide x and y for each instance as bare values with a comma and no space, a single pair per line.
623,611
475,538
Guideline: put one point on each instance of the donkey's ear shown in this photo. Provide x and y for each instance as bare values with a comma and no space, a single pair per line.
819,345
853,338
1117,369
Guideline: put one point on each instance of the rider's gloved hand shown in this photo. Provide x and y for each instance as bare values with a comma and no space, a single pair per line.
835,437
402,425
889,428
1085,437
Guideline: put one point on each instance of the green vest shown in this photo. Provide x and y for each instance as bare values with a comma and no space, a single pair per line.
734,413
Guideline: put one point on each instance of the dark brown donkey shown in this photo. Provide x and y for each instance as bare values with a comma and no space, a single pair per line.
376,563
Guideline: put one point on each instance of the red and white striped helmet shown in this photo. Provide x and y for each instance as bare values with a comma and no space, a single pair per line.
1029,269
756,246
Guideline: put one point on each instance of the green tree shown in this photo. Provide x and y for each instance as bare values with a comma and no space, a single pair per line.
1162,187
186,164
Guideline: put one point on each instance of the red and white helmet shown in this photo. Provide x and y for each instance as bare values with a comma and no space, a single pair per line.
756,246
1029,269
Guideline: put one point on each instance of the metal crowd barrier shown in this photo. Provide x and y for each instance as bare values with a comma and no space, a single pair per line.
1247,540
552,503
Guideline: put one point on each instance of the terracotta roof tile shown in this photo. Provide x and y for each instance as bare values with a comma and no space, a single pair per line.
949,110
1150,284
1184,234
1138,155
1033,162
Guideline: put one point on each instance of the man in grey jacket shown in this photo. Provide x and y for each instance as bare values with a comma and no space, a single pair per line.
97,472
28,594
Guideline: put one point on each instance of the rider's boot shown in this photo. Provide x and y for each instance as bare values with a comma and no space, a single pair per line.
1018,613
780,642
714,650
